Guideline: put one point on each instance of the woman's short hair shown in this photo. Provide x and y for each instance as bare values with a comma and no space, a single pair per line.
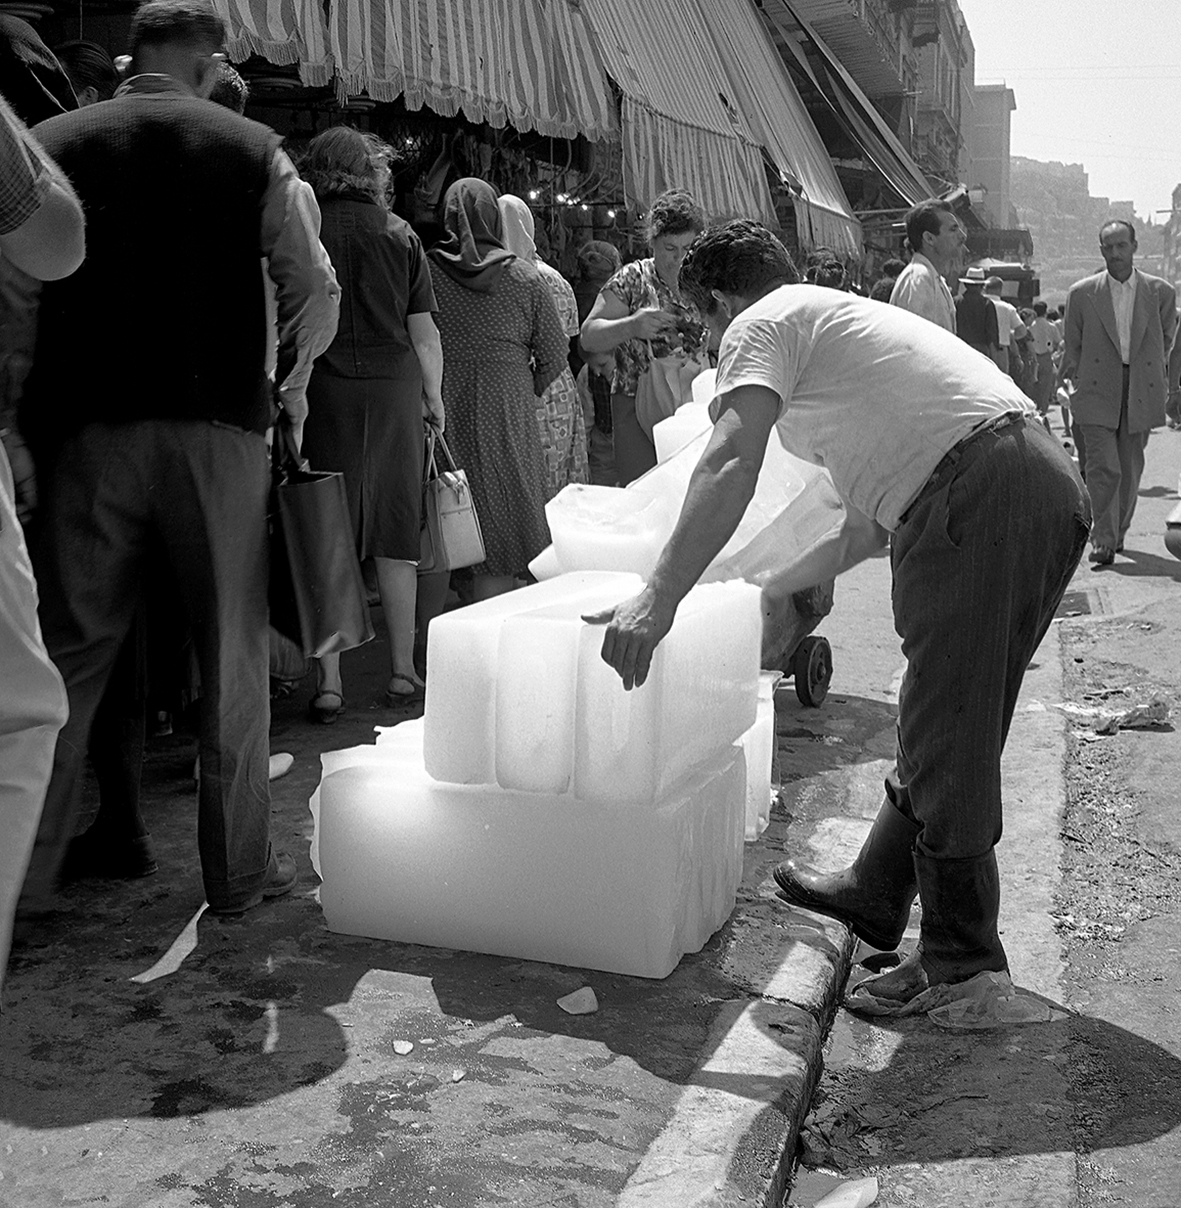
89,66
673,213
598,259
343,160
742,257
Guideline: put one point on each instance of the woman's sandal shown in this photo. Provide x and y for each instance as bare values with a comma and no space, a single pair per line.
399,700
323,709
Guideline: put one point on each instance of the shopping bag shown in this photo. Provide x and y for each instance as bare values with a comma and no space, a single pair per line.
664,386
317,597
451,537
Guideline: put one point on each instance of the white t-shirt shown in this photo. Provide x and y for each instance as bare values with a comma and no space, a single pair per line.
871,392
1007,319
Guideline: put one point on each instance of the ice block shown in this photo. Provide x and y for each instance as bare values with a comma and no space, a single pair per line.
701,695
759,744
534,708
535,876
463,653
610,528
673,434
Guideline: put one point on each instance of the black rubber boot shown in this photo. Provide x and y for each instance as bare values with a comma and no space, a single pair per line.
958,936
873,896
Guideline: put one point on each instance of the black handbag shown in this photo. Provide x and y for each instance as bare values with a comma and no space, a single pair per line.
316,593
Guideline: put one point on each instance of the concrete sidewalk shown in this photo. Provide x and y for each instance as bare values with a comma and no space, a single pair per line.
150,1056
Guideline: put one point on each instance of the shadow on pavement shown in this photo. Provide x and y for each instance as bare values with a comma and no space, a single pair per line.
1063,1087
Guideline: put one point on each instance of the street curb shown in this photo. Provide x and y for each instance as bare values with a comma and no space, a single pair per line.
731,1139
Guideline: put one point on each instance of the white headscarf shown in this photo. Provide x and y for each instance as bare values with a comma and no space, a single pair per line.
517,221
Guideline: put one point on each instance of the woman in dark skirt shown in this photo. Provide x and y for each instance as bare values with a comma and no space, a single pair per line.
370,391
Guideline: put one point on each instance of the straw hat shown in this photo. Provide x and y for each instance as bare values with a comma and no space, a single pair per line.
976,276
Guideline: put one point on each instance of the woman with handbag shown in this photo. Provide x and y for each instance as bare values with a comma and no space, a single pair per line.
658,338
559,413
370,390
504,345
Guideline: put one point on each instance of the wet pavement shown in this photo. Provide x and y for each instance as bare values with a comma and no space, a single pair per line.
153,1055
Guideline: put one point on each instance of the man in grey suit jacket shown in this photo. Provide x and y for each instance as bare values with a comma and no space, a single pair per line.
1120,326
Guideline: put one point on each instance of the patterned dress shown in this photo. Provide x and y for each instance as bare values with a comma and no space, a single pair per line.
490,397
563,429
638,285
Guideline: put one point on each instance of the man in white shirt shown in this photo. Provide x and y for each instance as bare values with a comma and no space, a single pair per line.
937,240
1120,326
1010,329
928,446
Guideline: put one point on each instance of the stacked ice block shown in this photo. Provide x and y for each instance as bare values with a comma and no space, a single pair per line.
539,810
795,505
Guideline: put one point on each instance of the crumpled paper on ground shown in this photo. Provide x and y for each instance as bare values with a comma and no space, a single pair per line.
988,1000
1107,721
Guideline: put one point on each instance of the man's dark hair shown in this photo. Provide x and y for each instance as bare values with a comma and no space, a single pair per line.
1114,222
742,257
169,22
89,66
673,213
893,267
926,216
230,89
1039,308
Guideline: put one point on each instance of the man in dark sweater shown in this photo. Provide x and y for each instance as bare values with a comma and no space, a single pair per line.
148,397
975,317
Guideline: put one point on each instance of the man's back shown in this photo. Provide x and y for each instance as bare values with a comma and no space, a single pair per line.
166,317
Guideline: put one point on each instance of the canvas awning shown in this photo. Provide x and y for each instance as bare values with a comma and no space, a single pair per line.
531,64
764,92
281,31
865,125
693,89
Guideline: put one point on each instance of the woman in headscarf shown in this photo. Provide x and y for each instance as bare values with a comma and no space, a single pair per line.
503,345
640,314
371,389
563,431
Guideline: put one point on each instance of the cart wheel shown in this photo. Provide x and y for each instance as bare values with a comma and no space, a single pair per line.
812,667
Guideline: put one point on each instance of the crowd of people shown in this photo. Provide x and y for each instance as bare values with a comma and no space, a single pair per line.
262,292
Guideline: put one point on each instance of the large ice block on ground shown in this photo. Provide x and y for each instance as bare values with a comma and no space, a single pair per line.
463,654
536,876
534,708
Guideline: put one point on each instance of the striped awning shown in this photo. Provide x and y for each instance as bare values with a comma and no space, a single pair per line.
281,31
706,102
531,64
764,92
677,132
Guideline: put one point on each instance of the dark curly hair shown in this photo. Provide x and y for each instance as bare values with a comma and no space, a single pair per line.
673,213
343,160
742,257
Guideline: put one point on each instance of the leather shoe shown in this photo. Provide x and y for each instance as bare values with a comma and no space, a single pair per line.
88,857
1102,555
280,879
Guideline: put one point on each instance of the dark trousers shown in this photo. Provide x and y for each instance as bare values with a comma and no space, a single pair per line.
634,449
1114,467
980,564
121,495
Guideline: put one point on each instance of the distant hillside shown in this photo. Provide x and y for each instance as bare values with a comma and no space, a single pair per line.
1054,201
